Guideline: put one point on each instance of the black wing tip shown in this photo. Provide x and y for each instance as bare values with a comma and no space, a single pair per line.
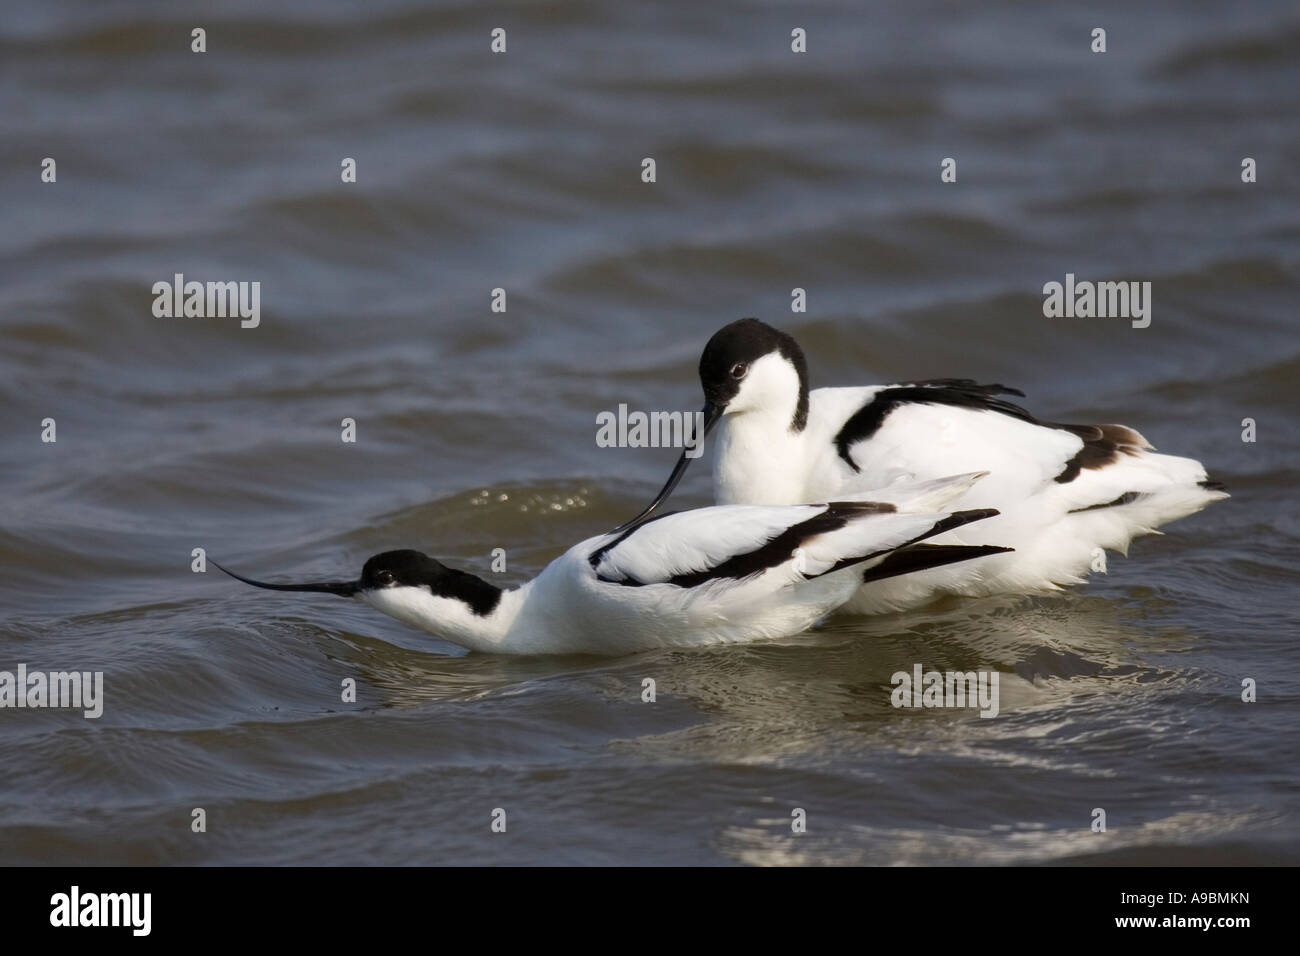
923,557
958,518
985,548
1210,485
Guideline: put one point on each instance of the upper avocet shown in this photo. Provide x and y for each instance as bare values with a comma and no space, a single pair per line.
1065,492
714,575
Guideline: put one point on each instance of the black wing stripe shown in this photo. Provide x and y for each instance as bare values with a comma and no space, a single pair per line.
773,552
947,523
956,392
1102,444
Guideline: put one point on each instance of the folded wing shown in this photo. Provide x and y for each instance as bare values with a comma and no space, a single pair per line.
734,543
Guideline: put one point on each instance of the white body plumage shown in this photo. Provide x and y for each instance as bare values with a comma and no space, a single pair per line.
716,575
1066,493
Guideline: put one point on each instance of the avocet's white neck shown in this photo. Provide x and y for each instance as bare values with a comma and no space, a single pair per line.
759,459
452,618
760,438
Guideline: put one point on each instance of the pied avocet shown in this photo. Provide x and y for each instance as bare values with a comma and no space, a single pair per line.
714,575
1065,492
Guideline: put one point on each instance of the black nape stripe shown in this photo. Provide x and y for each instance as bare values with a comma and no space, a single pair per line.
956,392
413,569
481,596
921,557
1127,498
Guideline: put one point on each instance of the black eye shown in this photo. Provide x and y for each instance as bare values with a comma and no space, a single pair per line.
739,369
384,577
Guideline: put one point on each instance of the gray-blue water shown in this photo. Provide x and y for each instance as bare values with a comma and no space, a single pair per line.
476,430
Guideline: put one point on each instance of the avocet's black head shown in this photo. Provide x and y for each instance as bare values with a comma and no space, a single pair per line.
746,366
401,569
752,362
412,569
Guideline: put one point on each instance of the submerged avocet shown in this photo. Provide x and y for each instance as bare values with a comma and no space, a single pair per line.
715,575
1065,492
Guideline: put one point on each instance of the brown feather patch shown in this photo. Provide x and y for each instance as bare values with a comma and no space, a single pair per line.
1102,446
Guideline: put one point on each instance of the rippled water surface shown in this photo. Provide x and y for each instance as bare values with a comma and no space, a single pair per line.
476,430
